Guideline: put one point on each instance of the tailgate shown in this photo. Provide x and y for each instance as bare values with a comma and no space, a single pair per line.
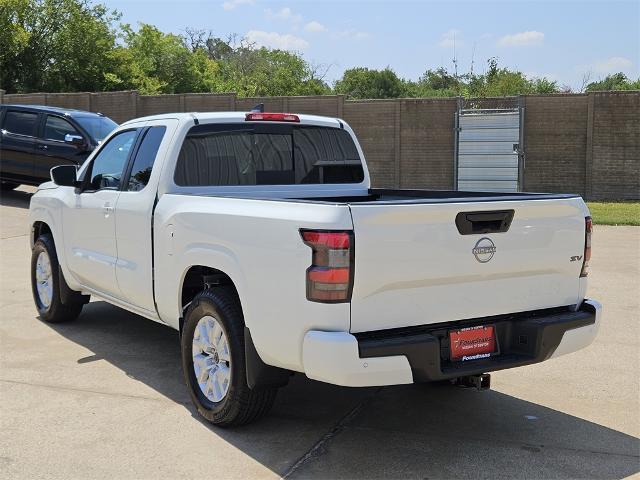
414,267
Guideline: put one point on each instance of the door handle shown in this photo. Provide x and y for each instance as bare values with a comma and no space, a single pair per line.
107,209
43,147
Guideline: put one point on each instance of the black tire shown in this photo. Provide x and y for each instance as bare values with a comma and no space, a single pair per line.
241,404
56,311
6,186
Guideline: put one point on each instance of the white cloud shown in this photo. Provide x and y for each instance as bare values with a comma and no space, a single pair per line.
231,4
315,27
450,38
522,39
285,14
277,40
612,65
352,34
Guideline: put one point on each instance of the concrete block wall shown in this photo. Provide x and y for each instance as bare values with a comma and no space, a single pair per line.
376,125
208,102
25,98
79,101
155,104
427,143
328,105
615,146
120,106
555,134
578,143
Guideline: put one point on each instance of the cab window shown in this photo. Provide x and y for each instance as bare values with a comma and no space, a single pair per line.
109,163
57,128
21,123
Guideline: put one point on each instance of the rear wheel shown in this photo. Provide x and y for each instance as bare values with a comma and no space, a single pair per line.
46,285
213,362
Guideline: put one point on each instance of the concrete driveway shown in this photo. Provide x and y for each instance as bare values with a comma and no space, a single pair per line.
103,398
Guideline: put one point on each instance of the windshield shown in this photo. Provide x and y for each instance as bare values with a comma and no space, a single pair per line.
97,127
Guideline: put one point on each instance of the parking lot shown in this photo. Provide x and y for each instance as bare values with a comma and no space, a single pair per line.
103,397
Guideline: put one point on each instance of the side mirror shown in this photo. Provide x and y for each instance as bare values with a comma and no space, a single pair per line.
65,175
76,140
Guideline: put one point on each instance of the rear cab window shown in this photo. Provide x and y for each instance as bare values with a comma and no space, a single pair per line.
267,154
20,122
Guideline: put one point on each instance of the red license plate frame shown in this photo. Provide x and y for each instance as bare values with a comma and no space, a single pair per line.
473,343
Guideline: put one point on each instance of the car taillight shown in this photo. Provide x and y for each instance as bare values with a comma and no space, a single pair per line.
588,228
330,276
271,117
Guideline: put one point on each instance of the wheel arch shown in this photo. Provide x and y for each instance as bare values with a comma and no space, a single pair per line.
45,218
197,278
40,227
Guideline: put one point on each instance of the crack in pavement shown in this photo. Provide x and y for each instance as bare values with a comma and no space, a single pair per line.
94,392
318,448
14,236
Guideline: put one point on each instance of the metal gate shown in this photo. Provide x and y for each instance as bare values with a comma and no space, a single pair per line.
489,154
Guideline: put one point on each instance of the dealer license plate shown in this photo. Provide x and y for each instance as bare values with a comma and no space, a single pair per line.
473,343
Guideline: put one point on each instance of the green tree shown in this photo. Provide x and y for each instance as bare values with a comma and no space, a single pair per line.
83,49
251,71
14,38
500,82
154,62
55,45
438,83
368,83
616,81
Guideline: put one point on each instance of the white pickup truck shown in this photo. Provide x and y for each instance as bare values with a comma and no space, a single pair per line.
258,237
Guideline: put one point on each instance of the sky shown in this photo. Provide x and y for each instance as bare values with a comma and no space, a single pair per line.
566,41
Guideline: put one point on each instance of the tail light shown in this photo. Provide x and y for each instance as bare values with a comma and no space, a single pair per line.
330,276
588,228
271,117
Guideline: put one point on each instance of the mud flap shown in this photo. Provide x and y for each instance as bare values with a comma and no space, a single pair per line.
66,294
259,374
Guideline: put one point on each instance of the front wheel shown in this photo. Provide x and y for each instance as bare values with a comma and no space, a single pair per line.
46,285
213,362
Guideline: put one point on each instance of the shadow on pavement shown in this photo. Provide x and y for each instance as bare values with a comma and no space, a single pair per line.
422,431
15,198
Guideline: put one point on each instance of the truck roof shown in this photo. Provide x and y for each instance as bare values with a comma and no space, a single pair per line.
234,117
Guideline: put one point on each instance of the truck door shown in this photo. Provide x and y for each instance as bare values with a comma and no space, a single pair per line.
134,216
89,225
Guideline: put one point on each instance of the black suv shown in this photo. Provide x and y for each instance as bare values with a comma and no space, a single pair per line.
35,138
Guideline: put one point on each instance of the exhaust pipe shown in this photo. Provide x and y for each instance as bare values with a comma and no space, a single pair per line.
479,382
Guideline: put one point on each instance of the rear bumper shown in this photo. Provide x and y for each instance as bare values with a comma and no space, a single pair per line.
420,354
